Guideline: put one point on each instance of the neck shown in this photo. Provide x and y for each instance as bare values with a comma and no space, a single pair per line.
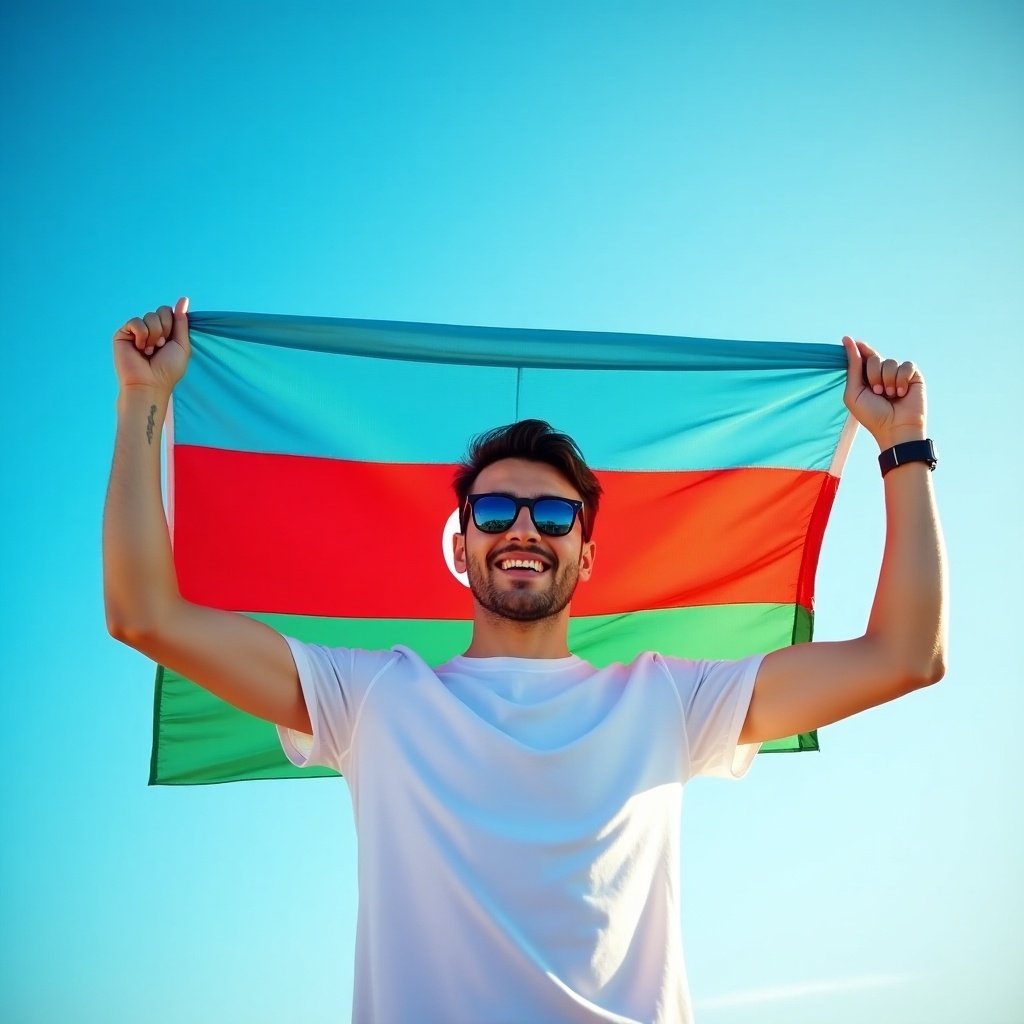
497,637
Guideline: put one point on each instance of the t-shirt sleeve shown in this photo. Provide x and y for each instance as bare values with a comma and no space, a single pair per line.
715,696
334,682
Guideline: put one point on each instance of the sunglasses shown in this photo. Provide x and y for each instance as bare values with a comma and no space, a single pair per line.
495,513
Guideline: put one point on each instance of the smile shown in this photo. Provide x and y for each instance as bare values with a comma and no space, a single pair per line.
521,563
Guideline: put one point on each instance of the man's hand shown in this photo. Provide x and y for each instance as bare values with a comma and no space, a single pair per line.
887,398
153,350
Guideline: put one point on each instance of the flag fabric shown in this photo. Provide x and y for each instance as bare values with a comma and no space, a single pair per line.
309,466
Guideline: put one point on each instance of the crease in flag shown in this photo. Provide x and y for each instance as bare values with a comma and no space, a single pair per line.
309,467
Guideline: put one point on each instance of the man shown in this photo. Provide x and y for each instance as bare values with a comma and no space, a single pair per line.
517,809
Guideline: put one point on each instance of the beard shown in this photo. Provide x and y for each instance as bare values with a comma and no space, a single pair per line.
523,603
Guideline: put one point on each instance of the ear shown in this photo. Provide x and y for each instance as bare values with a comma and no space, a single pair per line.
459,551
587,553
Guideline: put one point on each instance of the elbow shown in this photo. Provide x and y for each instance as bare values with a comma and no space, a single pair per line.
937,668
132,629
118,625
128,632
139,617
908,664
925,673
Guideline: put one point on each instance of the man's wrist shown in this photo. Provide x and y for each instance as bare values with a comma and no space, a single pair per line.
899,435
142,402
142,394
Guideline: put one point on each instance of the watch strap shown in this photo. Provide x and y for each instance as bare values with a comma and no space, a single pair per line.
909,451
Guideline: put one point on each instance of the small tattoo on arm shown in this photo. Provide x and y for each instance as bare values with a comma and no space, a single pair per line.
151,424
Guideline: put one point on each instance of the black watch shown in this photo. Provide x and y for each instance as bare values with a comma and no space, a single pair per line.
909,451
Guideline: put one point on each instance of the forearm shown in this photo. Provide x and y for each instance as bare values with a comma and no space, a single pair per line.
138,568
909,614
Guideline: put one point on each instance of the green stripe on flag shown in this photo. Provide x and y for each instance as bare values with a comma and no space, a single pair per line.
200,739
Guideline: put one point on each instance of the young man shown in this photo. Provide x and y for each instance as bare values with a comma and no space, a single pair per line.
517,809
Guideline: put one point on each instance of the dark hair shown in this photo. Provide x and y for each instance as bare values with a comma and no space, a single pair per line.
539,442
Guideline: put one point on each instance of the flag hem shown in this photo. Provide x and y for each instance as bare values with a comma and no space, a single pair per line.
515,347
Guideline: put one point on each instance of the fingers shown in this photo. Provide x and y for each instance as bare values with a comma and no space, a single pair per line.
905,376
887,377
889,370
158,325
882,376
135,331
152,331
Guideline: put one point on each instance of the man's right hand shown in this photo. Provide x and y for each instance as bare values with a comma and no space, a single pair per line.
153,350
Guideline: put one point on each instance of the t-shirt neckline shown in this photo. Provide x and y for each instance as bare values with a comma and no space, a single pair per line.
506,664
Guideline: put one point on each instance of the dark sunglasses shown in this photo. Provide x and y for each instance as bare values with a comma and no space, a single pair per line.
495,513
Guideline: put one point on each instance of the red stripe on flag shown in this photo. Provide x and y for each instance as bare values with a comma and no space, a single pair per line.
280,533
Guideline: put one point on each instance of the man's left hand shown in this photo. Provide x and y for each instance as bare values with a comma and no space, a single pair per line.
886,397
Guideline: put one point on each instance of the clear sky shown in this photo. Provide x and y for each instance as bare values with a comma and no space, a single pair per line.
789,171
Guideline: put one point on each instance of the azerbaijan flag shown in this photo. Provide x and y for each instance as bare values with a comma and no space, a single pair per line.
309,466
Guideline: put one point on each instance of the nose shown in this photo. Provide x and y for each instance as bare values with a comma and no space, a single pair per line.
522,526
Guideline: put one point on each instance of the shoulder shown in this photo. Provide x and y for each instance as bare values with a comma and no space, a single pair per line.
354,666
689,675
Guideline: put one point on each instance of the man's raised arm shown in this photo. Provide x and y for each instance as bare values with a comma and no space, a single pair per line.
809,685
242,661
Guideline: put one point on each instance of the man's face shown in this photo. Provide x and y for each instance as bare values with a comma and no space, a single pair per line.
543,586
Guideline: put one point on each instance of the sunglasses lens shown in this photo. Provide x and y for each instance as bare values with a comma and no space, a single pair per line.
554,516
493,513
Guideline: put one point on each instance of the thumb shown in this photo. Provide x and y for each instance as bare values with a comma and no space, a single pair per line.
854,368
179,332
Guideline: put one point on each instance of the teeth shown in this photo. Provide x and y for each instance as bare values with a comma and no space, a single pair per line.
521,563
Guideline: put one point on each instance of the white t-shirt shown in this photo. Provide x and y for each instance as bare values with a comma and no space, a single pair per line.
518,825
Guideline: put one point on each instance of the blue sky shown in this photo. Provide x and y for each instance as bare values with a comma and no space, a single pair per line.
789,171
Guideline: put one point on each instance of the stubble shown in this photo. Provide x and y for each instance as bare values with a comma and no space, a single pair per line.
525,603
